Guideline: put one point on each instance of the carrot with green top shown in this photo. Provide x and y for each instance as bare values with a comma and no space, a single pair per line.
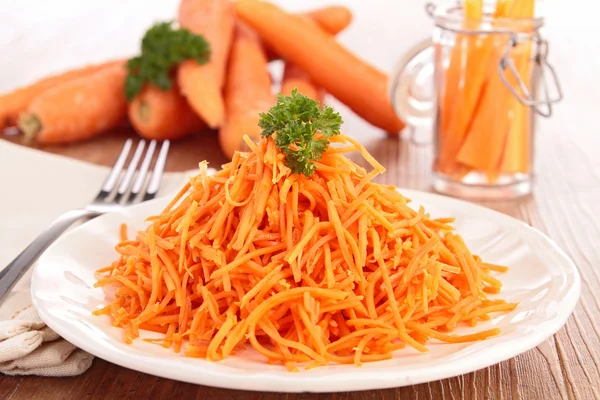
13,103
351,80
202,85
77,109
158,110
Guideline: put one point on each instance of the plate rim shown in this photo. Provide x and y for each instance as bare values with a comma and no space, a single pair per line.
385,381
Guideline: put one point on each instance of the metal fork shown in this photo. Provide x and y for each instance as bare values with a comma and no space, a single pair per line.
108,199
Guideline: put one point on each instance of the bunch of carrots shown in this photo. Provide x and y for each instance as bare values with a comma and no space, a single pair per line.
225,92
483,127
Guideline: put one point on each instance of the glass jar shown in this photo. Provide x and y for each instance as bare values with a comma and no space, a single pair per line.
486,77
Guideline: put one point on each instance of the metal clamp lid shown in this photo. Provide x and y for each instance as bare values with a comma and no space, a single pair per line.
541,59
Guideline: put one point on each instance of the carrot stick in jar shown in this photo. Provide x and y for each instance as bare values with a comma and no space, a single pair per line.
517,152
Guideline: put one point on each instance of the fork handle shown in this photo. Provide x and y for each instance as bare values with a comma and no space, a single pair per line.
15,270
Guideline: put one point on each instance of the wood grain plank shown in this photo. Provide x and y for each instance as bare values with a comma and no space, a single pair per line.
8,389
564,221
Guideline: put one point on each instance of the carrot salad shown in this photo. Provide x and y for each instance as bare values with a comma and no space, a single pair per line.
305,268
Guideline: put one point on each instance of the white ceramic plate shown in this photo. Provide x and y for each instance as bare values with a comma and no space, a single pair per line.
542,278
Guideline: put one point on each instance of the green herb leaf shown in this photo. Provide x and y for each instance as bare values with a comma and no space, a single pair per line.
163,48
295,120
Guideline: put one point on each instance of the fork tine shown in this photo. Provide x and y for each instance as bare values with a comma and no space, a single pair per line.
128,178
157,173
143,172
113,177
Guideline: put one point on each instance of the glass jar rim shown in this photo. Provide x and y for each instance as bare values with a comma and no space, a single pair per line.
451,17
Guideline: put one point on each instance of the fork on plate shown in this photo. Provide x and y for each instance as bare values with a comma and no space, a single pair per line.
118,191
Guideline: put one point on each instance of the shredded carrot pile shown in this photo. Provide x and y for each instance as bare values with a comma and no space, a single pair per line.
330,268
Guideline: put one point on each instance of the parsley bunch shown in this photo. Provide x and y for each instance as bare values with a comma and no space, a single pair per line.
162,48
296,119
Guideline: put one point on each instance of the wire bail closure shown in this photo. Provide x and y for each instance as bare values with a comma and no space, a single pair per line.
542,107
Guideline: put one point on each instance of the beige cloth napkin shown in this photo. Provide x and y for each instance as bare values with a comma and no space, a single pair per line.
35,188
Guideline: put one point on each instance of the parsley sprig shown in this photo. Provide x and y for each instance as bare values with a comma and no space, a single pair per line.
163,47
302,130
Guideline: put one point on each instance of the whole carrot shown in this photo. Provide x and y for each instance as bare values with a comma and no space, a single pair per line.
11,104
202,84
351,80
158,110
332,19
247,90
158,114
295,78
77,109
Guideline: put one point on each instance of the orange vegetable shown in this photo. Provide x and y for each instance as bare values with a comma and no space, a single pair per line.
502,8
351,80
77,109
295,78
475,122
332,19
158,114
465,78
202,84
449,142
294,268
479,54
517,152
13,103
474,9
484,141
483,127
247,90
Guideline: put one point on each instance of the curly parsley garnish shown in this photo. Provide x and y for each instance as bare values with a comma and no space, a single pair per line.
162,48
302,130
